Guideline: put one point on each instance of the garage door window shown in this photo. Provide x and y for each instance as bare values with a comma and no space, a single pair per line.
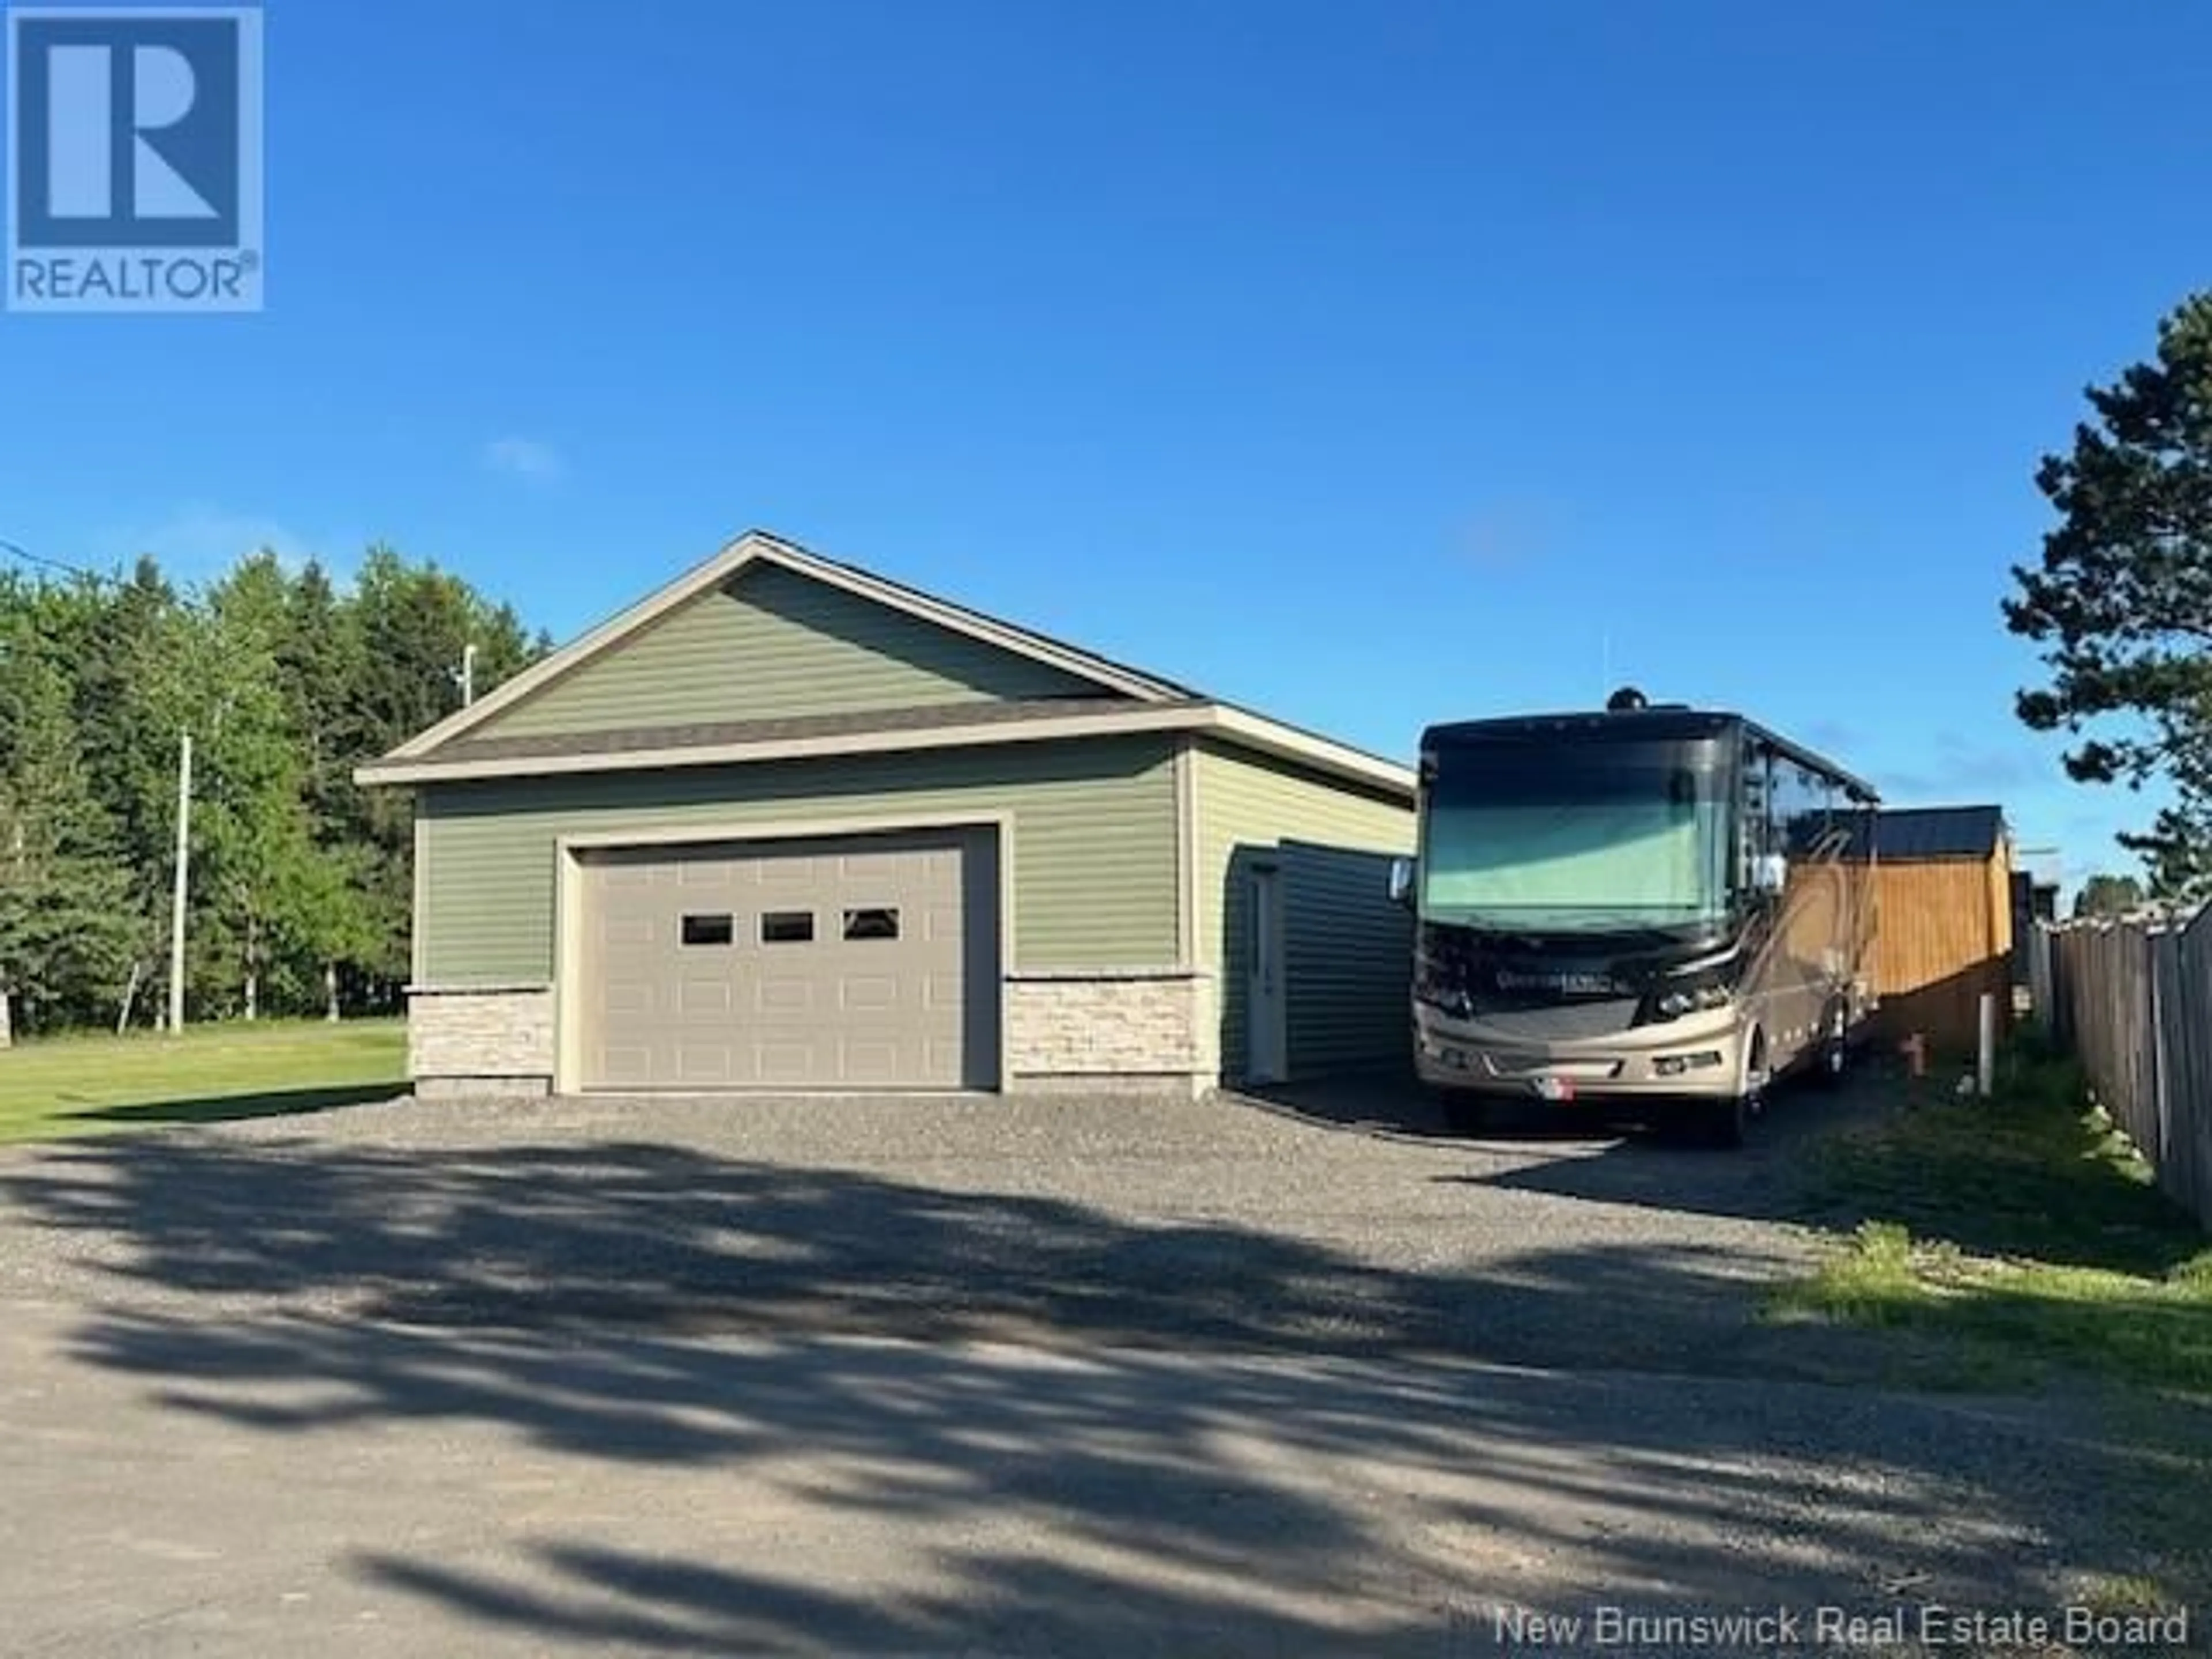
872,923
710,929
788,927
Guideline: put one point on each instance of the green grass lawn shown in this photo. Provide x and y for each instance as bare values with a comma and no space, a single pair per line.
75,1085
2023,1227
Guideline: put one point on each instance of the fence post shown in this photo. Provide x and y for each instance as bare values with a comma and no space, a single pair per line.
2194,1079
2055,968
2161,997
2039,987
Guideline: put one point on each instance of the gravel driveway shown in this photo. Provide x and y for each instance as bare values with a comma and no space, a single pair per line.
1041,1376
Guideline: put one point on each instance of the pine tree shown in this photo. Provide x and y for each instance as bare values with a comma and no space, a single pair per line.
319,662
2121,601
64,928
130,664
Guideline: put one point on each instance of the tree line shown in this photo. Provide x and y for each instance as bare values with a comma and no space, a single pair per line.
300,882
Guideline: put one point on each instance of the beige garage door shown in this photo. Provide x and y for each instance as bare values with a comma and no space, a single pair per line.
848,962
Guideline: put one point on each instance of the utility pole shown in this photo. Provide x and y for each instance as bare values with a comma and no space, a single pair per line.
184,861
467,677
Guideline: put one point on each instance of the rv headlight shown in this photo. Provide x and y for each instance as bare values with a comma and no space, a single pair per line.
1452,1002
1673,1005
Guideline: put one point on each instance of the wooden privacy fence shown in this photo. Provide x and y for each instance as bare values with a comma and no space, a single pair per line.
2131,999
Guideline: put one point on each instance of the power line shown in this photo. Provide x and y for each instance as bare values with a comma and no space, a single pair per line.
18,550
99,629
181,598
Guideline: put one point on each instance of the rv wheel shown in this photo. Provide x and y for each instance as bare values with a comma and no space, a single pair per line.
1727,1121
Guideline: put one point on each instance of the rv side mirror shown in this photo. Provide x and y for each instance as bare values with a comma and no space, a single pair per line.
1402,882
1773,874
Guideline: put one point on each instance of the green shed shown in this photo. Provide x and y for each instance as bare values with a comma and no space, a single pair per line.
785,825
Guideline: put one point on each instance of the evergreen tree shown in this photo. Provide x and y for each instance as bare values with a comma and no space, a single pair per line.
2120,602
130,666
64,930
318,661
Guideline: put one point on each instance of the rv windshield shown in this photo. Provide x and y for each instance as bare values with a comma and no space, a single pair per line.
1589,836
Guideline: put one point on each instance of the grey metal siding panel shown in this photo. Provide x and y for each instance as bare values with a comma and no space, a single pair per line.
1348,950
1093,843
774,645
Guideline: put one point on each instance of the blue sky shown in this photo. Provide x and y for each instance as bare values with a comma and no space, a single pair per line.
1369,365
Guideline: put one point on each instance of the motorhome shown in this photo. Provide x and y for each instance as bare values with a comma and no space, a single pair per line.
1653,905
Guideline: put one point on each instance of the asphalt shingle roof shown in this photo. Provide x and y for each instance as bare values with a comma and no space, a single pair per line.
1906,835
631,739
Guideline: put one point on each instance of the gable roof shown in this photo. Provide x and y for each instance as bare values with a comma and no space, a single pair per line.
1128,700
757,547
1907,835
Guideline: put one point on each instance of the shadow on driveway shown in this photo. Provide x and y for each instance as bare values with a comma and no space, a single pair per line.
241,1107
630,1305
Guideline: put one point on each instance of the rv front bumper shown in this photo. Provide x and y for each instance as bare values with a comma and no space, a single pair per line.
1687,1057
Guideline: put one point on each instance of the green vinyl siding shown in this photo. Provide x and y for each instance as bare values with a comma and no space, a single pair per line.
772,645
1093,849
1348,949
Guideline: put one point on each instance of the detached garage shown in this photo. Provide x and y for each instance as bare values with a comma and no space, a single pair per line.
785,825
